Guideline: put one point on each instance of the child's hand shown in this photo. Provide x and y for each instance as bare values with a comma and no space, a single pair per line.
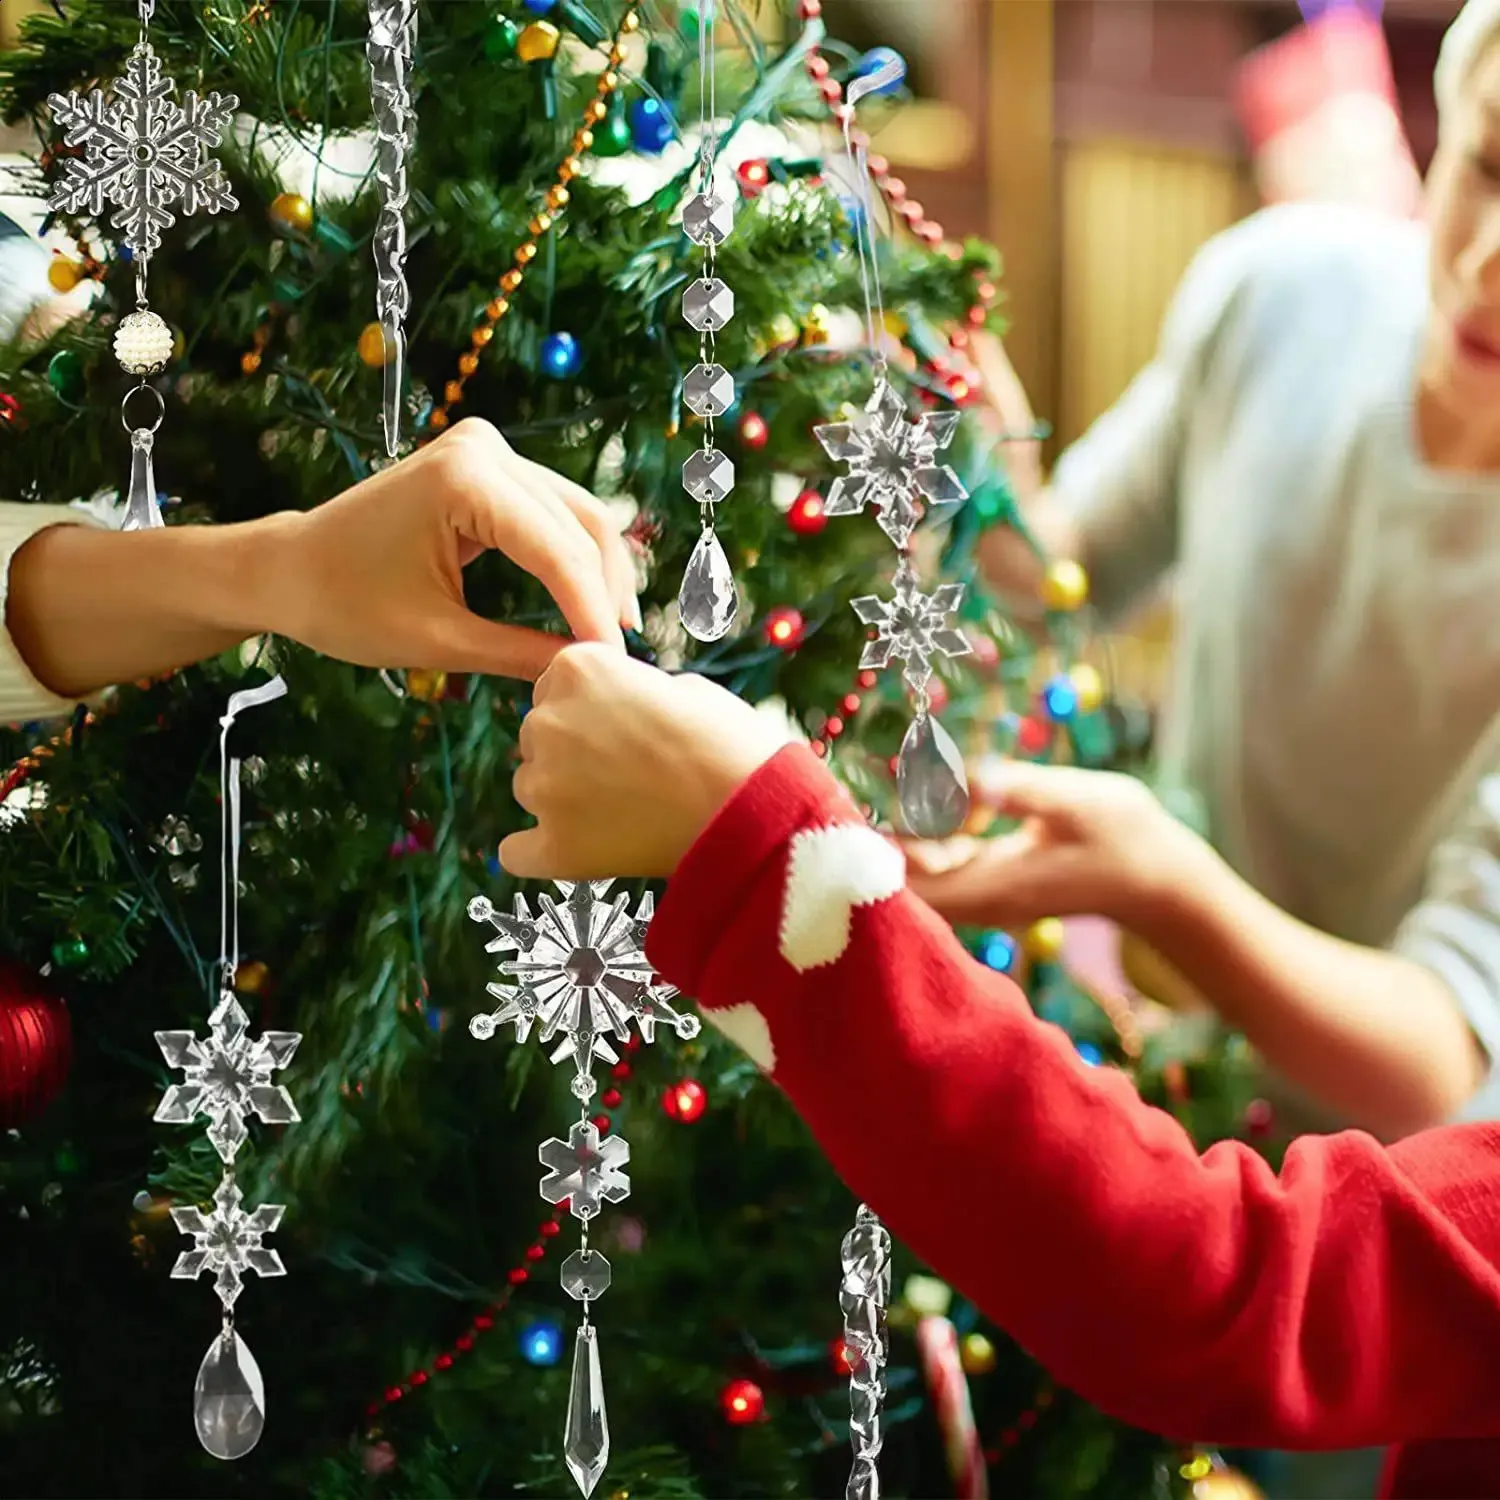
624,766
376,576
1089,842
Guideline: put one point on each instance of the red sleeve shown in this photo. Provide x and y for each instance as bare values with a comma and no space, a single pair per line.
1351,1301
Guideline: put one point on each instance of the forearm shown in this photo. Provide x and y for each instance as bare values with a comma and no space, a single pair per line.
1371,1034
1340,1304
87,607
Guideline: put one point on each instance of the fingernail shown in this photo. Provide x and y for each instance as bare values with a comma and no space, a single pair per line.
636,621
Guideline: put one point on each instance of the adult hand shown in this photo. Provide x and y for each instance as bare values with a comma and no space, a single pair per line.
375,576
623,766
1088,842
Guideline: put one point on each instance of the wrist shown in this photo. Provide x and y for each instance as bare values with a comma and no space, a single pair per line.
1187,896
254,588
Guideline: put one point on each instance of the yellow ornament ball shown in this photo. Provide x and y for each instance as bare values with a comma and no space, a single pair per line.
1226,1484
1065,586
63,274
895,325
927,1296
291,211
782,332
817,325
1088,685
251,978
1043,941
976,1354
429,686
372,349
538,42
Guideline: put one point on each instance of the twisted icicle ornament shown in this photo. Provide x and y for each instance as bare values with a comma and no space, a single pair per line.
393,34
864,1296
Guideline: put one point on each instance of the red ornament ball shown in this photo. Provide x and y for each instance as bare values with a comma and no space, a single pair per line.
685,1101
785,627
36,1045
743,1402
807,517
754,431
1032,736
10,409
754,177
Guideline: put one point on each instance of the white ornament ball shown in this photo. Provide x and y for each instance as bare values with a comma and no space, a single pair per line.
143,343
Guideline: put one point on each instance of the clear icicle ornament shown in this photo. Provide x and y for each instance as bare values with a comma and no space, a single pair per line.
226,1078
581,979
864,1296
392,41
708,599
143,153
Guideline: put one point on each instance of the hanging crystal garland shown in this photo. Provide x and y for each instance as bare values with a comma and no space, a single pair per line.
389,51
581,976
143,153
707,599
227,1078
893,468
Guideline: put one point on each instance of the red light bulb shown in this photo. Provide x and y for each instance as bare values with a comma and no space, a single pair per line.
784,627
743,1402
754,177
754,433
685,1101
806,516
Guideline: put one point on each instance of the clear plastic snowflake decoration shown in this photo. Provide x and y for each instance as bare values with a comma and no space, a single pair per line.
892,463
585,1171
142,152
227,1077
228,1241
580,971
912,627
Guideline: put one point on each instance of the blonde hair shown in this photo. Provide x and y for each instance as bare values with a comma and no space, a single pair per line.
1473,29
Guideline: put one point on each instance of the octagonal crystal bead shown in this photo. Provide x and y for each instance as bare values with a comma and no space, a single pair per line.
585,1275
708,390
707,219
707,304
708,476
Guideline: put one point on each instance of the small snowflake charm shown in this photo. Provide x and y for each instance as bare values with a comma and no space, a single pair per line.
585,1170
912,627
142,152
227,1077
891,463
228,1241
581,970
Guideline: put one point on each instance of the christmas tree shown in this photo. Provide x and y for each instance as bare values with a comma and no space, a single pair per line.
416,1347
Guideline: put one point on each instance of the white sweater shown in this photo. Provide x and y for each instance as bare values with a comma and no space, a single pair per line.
1337,695
22,697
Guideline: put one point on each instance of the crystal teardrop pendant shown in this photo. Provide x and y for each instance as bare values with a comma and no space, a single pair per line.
141,510
229,1398
930,779
586,1436
707,597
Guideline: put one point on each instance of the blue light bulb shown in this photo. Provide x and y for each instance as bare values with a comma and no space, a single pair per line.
539,7
561,355
997,950
541,1343
1090,1054
877,58
1060,699
651,126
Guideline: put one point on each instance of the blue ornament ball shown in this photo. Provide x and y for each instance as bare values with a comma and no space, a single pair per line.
997,950
542,1342
539,7
1060,698
874,60
651,126
1090,1054
561,355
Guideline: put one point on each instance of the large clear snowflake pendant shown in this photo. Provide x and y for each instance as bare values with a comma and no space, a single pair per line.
142,152
228,1241
580,971
892,463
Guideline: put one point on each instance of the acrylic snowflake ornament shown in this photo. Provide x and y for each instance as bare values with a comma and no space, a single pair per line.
585,1171
912,627
581,971
227,1077
142,152
891,463
228,1241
